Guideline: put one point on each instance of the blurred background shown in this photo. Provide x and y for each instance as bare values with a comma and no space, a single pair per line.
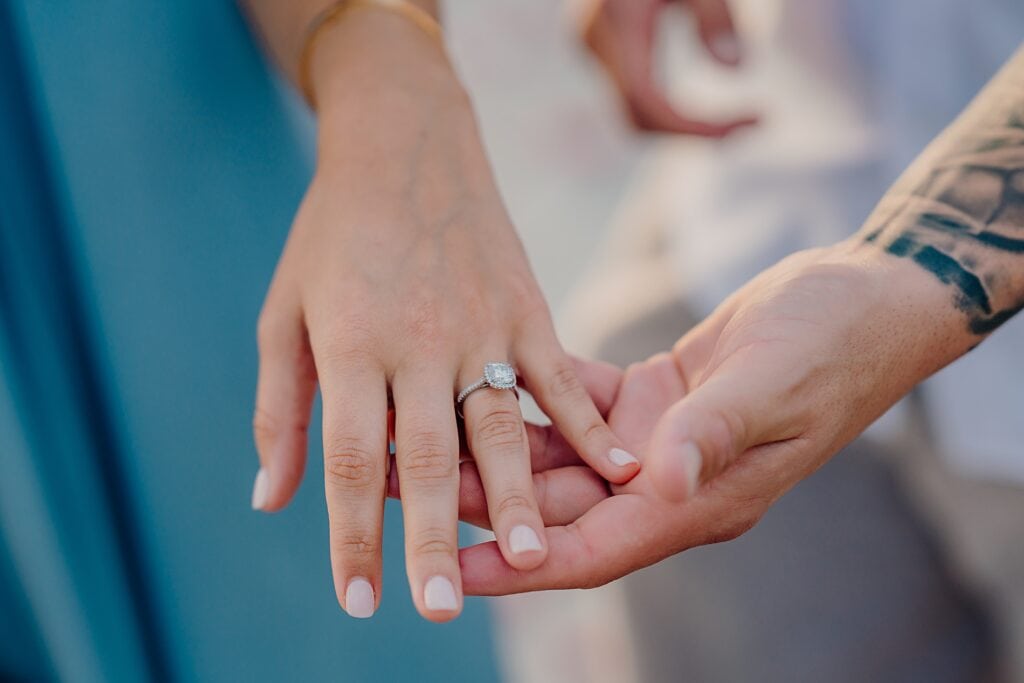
145,194
561,147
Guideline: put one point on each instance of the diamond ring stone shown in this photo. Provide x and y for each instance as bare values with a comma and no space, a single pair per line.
496,376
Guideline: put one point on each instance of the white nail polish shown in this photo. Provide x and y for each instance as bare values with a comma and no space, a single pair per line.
621,457
523,539
726,48
260,490
359,600
439,594
693,462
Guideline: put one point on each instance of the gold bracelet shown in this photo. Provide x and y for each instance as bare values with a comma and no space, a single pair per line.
336,11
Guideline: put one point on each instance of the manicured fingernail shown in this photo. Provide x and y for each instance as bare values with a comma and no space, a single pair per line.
260,490
359,598
621,457
726,48
692,461
523,539
439,594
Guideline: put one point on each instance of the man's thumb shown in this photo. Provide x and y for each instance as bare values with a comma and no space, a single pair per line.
700,436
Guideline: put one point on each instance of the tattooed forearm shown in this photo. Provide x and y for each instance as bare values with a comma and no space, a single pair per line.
958,212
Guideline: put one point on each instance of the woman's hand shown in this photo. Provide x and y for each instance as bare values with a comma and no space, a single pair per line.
787,371
401,278
621,34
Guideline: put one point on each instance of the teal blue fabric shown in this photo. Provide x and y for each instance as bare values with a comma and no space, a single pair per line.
150,165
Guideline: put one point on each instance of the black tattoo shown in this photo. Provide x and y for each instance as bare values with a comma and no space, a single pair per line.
959,211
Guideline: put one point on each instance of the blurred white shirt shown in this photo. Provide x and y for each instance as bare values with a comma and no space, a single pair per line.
850,92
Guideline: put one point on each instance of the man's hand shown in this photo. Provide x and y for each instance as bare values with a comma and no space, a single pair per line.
621,35
778,379
798,362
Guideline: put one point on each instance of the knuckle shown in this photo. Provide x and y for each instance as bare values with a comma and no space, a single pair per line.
514,500
564,383
355,544
350,463
433,542
428,458
264,426
342,353
345,342
424,319
528,299
267,428
500,428
596,431
589,574
477,306
278,329
724,432
726,428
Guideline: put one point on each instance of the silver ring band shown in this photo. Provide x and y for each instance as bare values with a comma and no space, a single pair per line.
496,376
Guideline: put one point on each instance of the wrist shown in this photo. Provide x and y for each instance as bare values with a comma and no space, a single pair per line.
380,80
919,309
369,52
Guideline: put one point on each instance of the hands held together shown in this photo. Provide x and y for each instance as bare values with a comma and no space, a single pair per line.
403,276
787,371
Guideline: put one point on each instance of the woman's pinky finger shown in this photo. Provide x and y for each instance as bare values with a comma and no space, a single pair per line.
284,398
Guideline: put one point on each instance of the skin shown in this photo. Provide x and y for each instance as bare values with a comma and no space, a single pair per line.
791,367
402,275
959,213
621,36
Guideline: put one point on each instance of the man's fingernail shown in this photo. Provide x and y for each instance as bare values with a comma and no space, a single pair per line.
359,598
260,490
439,594
621,457
523,539
693,462
726,48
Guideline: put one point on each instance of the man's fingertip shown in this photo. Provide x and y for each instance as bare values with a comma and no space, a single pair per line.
691,461
675,473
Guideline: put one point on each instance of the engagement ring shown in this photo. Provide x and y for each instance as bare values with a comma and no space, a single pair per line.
496,376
